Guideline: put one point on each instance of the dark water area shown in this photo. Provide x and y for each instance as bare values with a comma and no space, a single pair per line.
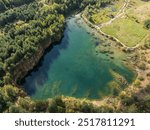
76,68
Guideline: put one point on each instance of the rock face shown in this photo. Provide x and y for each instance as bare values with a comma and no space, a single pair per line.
26,65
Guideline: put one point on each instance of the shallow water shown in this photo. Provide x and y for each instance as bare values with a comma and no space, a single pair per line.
76,67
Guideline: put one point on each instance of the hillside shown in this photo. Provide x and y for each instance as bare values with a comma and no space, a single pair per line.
124,20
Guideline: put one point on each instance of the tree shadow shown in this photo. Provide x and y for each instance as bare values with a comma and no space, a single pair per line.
39,75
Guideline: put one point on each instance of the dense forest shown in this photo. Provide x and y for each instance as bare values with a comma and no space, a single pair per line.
26,24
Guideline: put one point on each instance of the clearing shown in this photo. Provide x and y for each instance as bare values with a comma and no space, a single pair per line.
129,28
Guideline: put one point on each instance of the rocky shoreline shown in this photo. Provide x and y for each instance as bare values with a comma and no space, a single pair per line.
26,65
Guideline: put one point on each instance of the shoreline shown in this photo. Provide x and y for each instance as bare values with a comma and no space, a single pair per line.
48,45
96,102
98,38
40,61
26,66
98,29
131,88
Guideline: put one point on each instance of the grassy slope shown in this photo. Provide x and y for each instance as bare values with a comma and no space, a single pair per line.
104,14
129,28
127,31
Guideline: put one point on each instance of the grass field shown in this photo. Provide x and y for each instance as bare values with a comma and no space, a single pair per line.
129,28
106,13
127,31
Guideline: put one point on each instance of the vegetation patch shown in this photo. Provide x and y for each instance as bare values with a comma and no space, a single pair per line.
99,15
132,27
127,31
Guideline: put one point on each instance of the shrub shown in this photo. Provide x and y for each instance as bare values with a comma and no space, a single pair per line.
128,100
16,109
147,24
41,106
105,109
141,78
132,109
142,66
148,74
56,105
137,83
86,108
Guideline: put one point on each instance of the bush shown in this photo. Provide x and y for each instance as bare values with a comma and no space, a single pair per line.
142,66
105,109
2,102
141,78
52,107
137,83
41,106
26,104
148,74
132,109
144,104
16,109
147,24
56,105
128,101
86,108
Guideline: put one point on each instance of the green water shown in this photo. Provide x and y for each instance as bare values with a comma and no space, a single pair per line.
76,67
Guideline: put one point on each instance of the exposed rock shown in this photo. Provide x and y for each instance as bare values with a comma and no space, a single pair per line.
26,65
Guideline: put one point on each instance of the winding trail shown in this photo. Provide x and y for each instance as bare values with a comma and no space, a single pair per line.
141,73
98,27
119,14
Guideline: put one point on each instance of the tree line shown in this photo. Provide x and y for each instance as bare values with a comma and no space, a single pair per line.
24,24
7,4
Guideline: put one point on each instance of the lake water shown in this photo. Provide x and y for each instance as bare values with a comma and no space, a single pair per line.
78,67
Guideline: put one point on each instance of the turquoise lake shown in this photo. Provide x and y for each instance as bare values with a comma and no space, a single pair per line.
77,67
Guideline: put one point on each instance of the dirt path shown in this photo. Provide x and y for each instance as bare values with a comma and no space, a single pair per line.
119,14
98,27
141,73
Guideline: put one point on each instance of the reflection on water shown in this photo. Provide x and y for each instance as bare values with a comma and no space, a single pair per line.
75,68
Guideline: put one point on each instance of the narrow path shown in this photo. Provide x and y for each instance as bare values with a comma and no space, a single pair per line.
98,27
119,14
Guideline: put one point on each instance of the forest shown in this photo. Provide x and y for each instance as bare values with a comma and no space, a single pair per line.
25,24
15,100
